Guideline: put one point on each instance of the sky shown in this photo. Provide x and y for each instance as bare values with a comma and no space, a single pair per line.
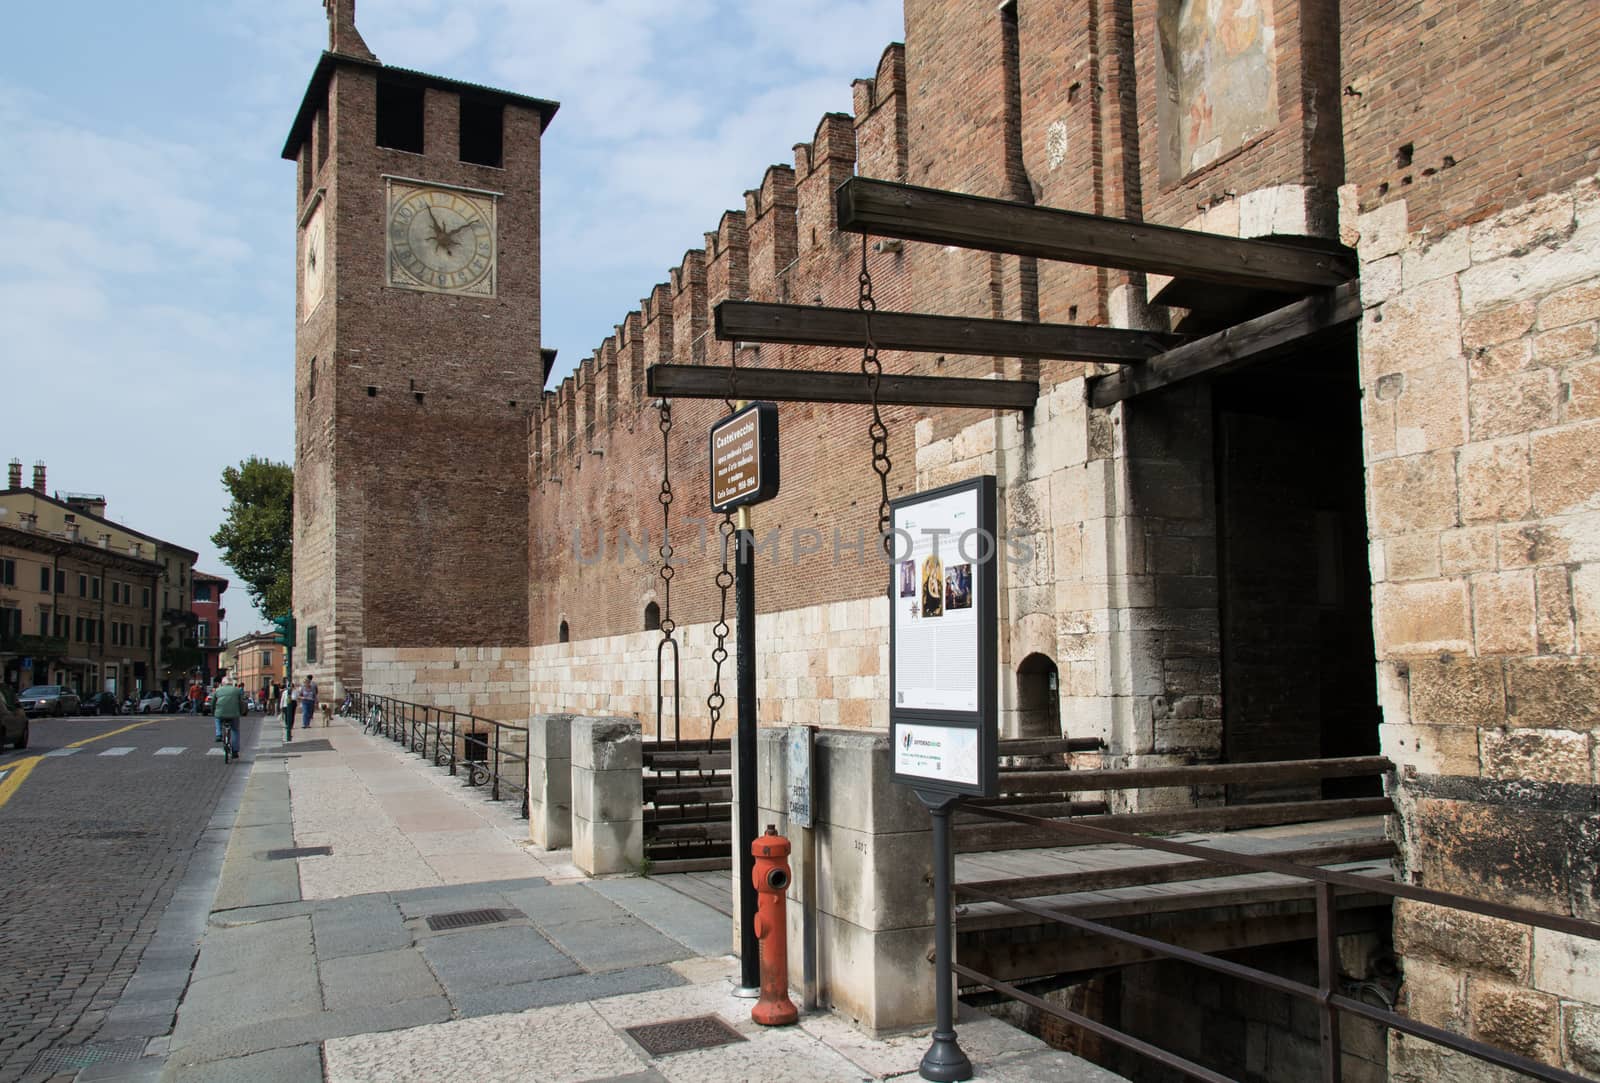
148,298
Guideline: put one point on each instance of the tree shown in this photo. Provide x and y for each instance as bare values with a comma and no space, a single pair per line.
257,538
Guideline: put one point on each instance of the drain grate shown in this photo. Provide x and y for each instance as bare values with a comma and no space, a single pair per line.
464,919
316,745
682,1035
74,1057
299,851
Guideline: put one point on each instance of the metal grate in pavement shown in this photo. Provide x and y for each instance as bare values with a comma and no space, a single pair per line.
74,1057
299,851
315,745
682,1035
463,919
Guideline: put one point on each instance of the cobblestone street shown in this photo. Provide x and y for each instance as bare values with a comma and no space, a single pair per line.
92,844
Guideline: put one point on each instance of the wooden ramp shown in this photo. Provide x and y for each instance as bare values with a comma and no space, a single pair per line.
1194,904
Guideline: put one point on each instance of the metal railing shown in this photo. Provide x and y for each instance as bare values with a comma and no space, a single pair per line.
478,748
1325,995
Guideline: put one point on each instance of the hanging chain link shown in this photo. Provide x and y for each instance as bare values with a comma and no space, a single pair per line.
872,369
667,571
726,531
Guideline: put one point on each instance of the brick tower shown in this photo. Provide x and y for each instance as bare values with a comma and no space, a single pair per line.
417,357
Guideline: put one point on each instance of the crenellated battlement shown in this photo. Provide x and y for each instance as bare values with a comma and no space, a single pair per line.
751,254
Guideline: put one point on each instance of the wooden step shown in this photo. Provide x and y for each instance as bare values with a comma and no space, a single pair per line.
997,835
689,864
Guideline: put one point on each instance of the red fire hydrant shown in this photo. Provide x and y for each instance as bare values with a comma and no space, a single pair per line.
771,876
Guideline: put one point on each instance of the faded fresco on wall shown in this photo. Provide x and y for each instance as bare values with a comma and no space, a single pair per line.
1219,79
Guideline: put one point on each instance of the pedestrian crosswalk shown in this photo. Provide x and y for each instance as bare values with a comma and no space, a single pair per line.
129,750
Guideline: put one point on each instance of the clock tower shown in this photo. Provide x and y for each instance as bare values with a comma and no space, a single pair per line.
417,358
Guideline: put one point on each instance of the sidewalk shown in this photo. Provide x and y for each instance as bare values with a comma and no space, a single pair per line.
338,966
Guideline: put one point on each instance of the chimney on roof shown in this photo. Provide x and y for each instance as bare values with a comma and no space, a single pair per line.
38,476
343,37
14,474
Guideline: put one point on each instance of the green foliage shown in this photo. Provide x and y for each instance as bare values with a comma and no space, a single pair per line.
257,538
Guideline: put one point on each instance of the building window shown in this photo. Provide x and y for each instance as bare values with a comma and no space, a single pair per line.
61,581
8,573
311,643
83,586
44,622
652,617
200,632
400,116
145,596
566,633
322,136
10,623
202,592
482,125
94,588
266,659
44,580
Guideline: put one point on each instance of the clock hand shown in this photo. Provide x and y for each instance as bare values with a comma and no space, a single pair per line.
462,226
437,228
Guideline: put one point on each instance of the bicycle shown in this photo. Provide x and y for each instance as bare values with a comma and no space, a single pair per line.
375,720
230,740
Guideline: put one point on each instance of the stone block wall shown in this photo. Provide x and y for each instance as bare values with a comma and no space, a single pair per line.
1479,366
490,682
820,665
874,871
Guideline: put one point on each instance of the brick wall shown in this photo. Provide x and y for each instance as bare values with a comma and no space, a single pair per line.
410,459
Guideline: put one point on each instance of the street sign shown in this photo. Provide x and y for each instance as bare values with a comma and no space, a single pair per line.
943,640
744,457
798,747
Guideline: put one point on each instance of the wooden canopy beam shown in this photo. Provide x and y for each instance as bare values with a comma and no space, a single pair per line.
803,385
1233,347
887,209
806,325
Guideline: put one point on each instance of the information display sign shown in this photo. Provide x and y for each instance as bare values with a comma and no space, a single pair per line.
744,457
943,640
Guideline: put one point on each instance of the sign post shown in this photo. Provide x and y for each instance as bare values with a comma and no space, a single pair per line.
744,471
943,730
800,746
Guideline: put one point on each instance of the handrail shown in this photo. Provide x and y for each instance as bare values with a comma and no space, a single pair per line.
437,732
1324,994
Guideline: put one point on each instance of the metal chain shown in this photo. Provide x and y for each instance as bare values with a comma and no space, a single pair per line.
716,700
872,369
667,571
726,531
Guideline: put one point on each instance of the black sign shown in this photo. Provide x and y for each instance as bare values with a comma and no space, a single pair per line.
744,457
943,640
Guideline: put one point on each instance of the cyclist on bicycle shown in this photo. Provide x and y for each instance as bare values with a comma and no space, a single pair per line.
229,705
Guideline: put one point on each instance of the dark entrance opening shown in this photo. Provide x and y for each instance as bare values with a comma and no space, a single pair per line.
1295,596
1038,698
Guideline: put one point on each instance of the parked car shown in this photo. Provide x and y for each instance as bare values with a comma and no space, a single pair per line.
13,720
100,703
152,703
50,699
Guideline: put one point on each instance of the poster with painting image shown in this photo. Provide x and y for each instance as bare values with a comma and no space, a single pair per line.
933,585
908,578
958,587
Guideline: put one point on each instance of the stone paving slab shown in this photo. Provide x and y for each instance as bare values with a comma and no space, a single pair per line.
358,926
294,1064
615,942
573,989
699,928
507,955
376,978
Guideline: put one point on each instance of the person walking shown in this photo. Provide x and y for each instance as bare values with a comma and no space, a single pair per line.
308,701
228,705
285,705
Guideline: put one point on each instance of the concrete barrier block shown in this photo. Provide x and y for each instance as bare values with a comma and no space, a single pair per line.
607,847
607,744
550,780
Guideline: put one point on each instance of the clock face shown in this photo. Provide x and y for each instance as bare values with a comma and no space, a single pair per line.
441,240
314,256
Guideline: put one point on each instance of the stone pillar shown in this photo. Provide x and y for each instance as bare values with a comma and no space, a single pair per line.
550,780
607,795
874,878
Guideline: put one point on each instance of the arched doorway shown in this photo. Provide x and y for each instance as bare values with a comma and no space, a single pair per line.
1038,712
